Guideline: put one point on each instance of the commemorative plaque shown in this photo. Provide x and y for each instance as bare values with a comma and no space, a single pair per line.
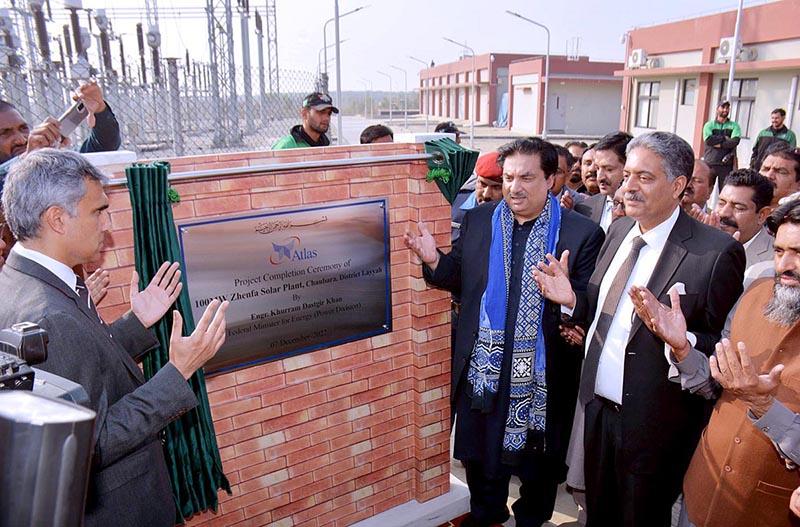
296,279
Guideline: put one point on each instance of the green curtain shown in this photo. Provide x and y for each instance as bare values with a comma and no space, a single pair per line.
191,448
453,168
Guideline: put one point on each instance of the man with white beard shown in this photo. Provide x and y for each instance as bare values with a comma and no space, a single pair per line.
745,466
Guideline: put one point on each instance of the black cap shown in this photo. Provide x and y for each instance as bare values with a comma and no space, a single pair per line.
319,101
447,127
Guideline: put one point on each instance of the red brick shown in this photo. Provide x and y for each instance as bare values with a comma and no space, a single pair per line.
346,390
337,513
245,461
284,394
351,361
336,379
260,507
222,205
257,416
376,188
239,407
306,429
218,382
325,193
266,481
357,516
296,469
330,408
370,370
372,395
291,484
260,443
389,377
267,467
306,374
288,447
347,440
237,436
276,197
331,433
261,386
333,468
307,453
336,490
309,515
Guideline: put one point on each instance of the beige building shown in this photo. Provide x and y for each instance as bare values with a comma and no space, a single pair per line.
674,84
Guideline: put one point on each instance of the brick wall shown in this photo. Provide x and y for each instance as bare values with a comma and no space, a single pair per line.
331,437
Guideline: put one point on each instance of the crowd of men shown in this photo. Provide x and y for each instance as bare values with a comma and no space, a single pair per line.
621,330
614,327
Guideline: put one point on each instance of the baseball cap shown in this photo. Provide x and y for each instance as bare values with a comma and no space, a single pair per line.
319,101
487,166
447,127
723,102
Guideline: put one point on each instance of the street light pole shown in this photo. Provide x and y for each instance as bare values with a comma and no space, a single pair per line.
405,96
471,92
390,94
325,33
427,92
546,69
371,101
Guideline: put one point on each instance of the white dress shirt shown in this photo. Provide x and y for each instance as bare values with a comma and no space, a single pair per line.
606,217
61,270
611,367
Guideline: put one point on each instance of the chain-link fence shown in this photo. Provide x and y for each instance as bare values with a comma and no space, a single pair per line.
182,113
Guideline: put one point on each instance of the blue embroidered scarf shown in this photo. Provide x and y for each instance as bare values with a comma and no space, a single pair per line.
528,398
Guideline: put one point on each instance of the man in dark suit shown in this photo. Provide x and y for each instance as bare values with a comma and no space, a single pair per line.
609,160
56,207
640,427
514,378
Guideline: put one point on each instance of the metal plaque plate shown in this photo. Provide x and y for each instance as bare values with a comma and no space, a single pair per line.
297,279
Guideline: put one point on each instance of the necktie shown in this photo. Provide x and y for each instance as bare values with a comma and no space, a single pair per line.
86,298
613,296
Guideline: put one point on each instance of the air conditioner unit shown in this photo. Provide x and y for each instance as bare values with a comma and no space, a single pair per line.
728,48
637,59
655,62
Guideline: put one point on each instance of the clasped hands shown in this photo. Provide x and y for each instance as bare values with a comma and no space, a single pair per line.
730,366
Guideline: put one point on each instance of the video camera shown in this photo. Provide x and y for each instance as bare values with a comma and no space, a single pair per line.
22,346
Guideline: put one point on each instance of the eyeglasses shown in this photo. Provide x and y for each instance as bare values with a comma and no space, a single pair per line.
616,204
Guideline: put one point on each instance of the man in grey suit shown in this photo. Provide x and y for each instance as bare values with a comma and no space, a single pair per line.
609,158
55,205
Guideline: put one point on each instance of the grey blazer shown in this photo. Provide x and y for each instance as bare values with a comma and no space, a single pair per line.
592,207
128,484
760,248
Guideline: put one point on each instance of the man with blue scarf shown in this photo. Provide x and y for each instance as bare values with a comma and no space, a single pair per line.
514,379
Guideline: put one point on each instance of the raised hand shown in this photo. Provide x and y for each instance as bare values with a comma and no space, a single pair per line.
423,245
734,371
92,98
97,284
552,277
667,323
698,213
188,354
162,291
566,201
46,135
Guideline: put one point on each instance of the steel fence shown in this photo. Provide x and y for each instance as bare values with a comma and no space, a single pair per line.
181,113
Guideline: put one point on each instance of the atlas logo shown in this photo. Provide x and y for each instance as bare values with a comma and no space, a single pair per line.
289,250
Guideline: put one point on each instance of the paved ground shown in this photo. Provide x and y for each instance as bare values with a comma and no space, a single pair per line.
487,138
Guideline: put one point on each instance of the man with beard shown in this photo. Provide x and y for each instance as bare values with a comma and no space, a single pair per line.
699,188
745,467
609,160
721,137
316,113
776,133
576,149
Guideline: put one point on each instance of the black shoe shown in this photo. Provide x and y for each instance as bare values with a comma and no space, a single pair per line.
472,521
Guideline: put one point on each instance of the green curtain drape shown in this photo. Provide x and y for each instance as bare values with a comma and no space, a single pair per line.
191,448
453,168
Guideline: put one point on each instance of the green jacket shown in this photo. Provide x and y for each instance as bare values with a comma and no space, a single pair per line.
298,138
288,141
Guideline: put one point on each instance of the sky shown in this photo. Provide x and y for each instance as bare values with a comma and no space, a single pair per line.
387,32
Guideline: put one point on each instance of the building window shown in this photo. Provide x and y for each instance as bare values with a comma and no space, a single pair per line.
743,100
647,104
689,90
